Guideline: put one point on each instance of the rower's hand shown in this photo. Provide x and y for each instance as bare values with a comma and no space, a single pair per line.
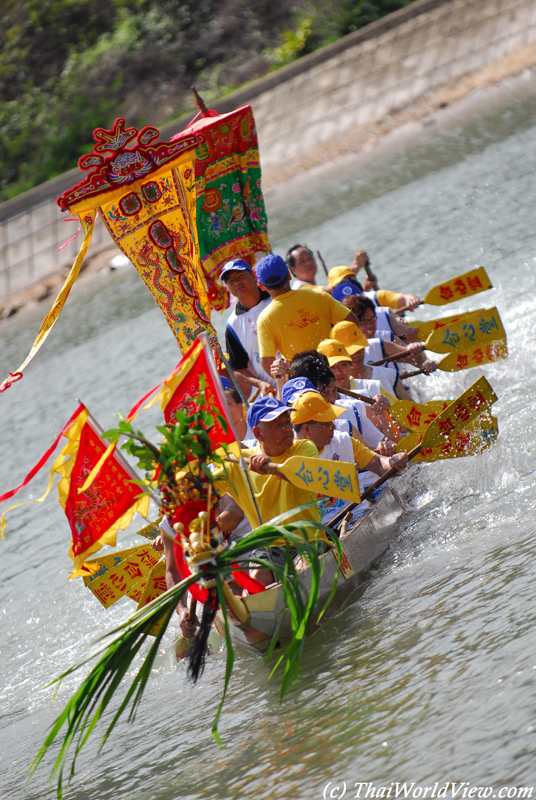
385,448
415,348
429,366
360,259
266,388
410,300
158,544
381,403
279,368
398,461
411,334
257,463
187,628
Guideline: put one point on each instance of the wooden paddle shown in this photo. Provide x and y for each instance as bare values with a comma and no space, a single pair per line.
475,437
465,359
465,285
478,328
424,329
320,475
356,396
445,426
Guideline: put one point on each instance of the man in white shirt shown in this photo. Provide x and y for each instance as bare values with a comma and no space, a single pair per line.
241,340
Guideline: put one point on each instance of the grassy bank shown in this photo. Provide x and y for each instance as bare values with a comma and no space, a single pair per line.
68,66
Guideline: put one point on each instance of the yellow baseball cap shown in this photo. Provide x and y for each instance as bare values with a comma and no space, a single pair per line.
334,351
311,406
338,274
348,334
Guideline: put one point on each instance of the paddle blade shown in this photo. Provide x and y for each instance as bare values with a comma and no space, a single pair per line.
477,436
475,356
331,478
459,413
465,285
479,328
415,416
426,328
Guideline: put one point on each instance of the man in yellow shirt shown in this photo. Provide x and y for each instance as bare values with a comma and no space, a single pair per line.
295,320
313,420
271,423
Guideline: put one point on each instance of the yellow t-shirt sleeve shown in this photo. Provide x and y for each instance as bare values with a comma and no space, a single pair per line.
362,454
337,311
267,342
387,298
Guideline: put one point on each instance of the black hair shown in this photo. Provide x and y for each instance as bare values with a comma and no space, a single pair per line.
234,394
314,366
363,303
290,259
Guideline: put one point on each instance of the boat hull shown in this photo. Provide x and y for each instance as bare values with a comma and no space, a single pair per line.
362,545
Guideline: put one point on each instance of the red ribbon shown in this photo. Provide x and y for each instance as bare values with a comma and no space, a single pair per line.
42,461
13,378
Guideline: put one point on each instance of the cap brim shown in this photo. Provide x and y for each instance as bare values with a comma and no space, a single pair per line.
225,272
274,414
300,416
335,359
354,348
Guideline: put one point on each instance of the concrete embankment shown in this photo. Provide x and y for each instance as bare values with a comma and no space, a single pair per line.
335,100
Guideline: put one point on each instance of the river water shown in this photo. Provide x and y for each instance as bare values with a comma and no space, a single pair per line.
430,675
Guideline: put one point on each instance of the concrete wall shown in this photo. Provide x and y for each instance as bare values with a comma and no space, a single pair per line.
362,77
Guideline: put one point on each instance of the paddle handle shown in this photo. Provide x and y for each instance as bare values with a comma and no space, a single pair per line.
405,308
319,254
355,395
371,276
404,375
193,609
367,493
388,359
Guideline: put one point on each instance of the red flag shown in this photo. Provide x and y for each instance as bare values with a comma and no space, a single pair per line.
109,504
181,387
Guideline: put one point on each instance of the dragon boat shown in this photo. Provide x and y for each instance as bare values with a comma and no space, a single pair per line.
362,545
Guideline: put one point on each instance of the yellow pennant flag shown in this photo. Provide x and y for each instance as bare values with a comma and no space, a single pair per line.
155,586
117,578
465,285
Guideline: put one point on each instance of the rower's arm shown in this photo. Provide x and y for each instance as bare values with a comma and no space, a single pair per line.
172,578
267,362
251,379
381,464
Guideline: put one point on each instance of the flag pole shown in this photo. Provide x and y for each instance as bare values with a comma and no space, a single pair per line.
233,377
204,338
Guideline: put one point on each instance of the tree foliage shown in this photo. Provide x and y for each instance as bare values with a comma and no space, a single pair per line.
68,66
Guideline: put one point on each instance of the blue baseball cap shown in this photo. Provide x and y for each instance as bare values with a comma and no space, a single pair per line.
294,387
271,269
225,382
265,410
237,264
345,289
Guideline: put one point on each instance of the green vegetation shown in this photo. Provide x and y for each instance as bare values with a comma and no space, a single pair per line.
68,66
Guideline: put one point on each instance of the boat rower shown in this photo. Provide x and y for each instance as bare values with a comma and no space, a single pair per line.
366,420
294,320
241,340
313,419
352,373
271,423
